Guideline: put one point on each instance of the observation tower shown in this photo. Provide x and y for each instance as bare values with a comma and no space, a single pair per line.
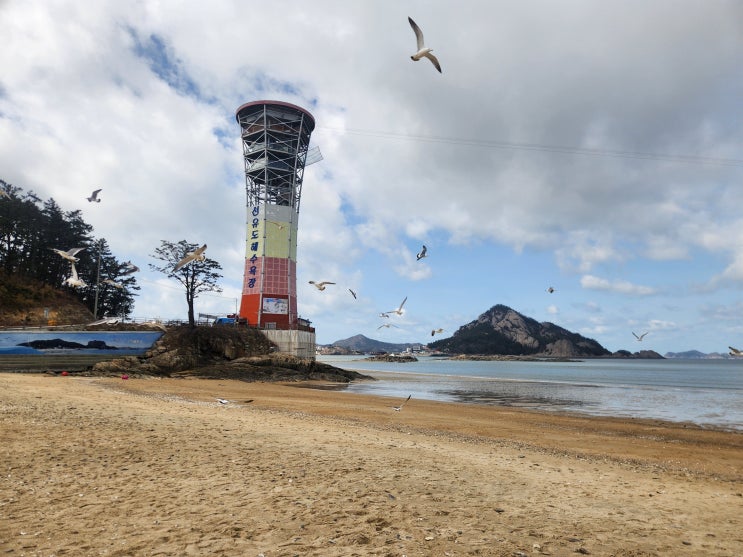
275,138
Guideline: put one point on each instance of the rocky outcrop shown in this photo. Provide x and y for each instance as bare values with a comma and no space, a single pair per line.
221,353
504,331
640,355
392,358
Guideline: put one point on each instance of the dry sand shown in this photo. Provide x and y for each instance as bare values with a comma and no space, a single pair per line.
102,466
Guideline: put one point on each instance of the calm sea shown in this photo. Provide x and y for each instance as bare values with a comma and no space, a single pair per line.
704,392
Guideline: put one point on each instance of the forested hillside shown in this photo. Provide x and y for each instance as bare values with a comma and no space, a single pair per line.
29,231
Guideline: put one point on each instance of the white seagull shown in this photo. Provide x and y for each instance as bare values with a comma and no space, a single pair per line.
398,408
320,285
129,268
4,193
434,331
223,401
387,325
113,283
383,314
195,255
73,280
735,351
94,196
398,311
642,336
423,50
69,255
422,253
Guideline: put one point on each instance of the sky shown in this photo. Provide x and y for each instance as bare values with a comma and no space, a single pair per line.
591,147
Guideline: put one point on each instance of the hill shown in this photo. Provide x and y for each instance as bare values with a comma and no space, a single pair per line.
362,344
504,331
696,355
30,303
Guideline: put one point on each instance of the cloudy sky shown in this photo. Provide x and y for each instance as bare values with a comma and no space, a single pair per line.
594,147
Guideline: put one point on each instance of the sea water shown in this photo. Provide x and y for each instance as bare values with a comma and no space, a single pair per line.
707,393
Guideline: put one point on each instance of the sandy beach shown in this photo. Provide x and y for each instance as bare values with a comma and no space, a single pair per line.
145,467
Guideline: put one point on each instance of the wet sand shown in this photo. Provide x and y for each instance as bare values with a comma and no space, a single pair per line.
101,466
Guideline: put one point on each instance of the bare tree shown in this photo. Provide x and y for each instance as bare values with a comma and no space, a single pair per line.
197,277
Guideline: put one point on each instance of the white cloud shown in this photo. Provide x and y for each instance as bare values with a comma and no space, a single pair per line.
592,282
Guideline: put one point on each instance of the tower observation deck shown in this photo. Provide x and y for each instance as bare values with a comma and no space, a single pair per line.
275,139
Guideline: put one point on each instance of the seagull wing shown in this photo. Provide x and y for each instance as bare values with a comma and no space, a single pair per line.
185,261
633,334
418,33
433,60
402,303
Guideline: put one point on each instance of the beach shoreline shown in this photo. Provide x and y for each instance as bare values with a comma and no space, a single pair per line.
94,465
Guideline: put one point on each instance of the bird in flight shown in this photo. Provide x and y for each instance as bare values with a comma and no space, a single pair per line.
352,293
423,50
113,283
69,255
73,280
94,196
398,408
320,285
223,401
129,268
435,331
4,193
398,311
642,336
387,325
550,290
735,351
422,253
195,255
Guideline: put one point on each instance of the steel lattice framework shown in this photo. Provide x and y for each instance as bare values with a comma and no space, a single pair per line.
275,138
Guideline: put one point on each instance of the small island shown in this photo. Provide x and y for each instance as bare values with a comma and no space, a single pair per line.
394,358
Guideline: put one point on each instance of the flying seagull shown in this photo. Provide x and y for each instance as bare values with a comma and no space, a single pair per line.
423,50
223,401
384,314
387,325
321,285
398,311
113,283
642,336
434,331
422,253
73,280
94,196
4,193
69,255
195,255
550,290
735,351
352,293
129,268
398,408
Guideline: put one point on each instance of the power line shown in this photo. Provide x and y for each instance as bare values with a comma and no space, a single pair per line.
495,144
